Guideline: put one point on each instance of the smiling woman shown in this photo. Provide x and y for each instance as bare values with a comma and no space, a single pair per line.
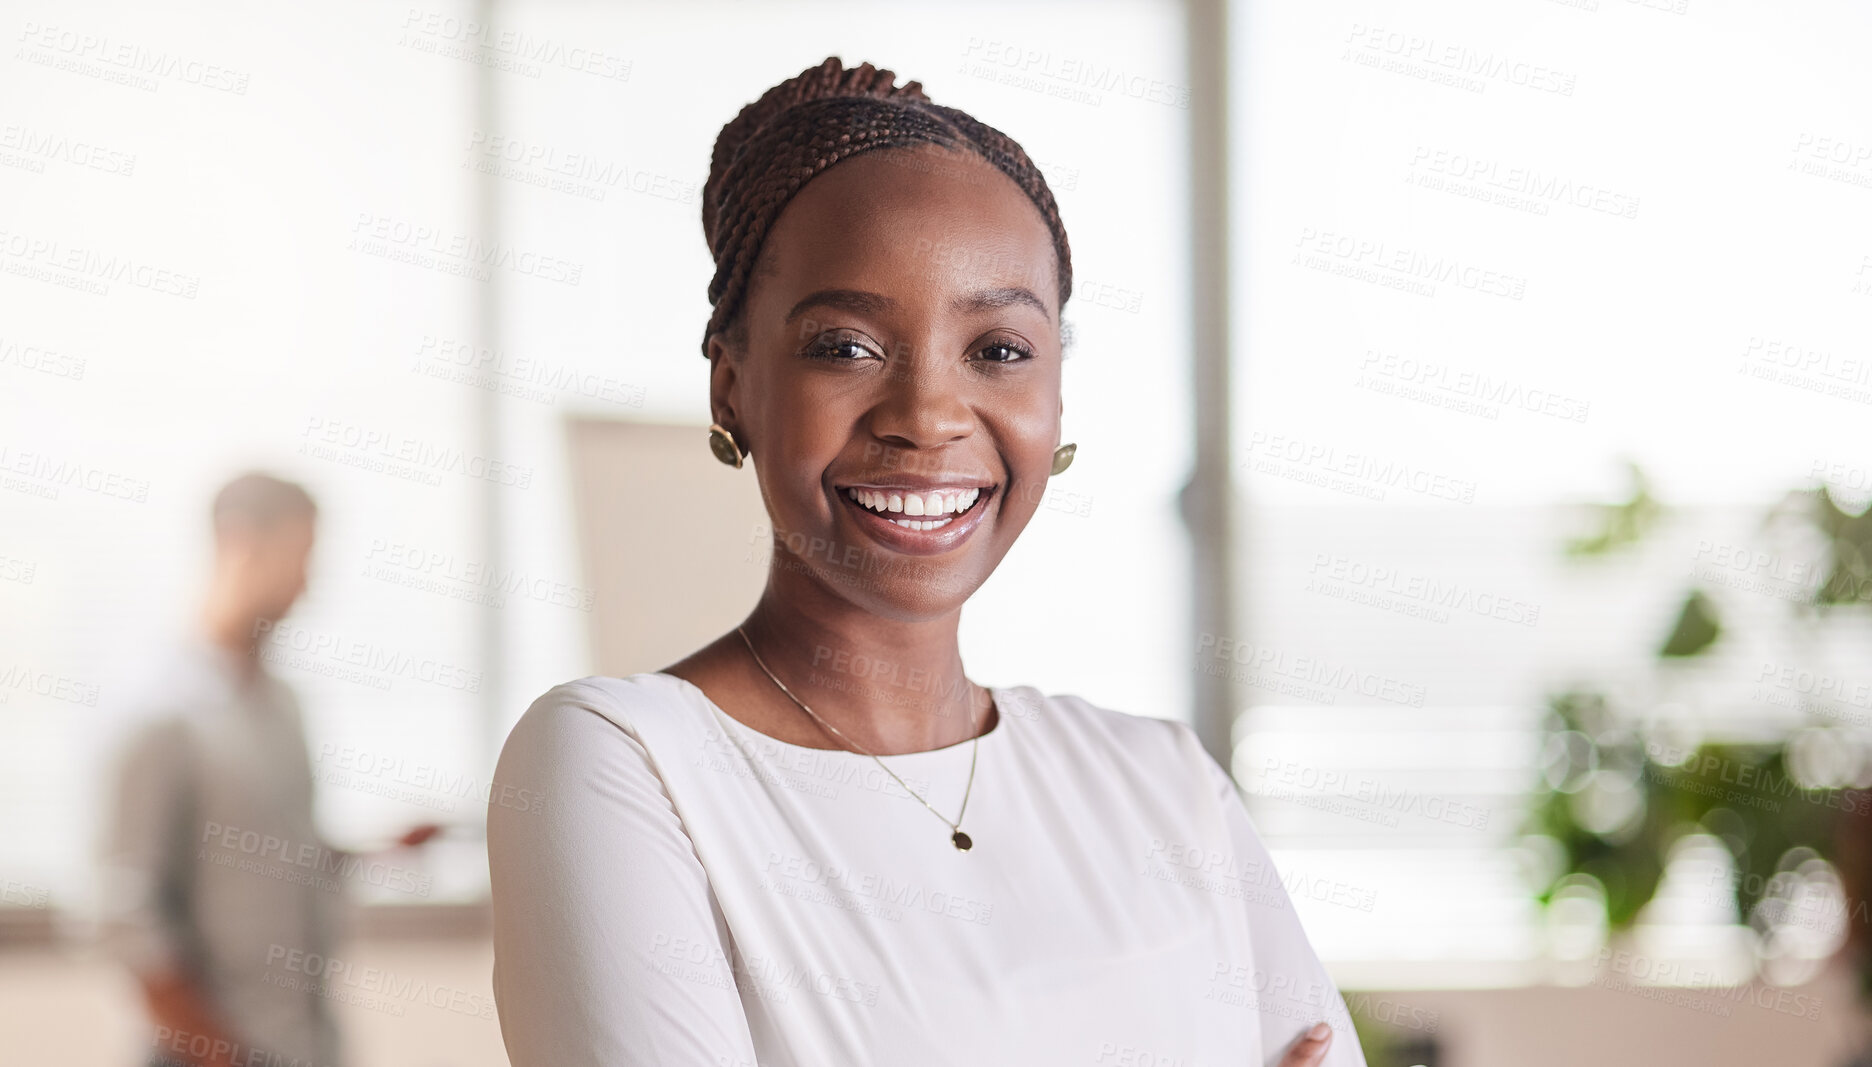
737,861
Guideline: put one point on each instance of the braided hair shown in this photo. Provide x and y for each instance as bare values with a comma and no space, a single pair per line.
808,123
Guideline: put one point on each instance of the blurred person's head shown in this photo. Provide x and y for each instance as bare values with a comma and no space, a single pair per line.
890,275
263,531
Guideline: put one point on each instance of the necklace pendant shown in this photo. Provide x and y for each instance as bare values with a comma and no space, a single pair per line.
962,841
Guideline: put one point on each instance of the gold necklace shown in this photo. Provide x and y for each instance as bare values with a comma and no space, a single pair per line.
961,840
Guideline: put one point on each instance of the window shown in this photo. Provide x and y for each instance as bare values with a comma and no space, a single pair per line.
1485,256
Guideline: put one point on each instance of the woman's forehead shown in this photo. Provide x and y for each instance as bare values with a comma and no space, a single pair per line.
925,218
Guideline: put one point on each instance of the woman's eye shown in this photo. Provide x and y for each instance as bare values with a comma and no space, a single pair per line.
842,349
1005,353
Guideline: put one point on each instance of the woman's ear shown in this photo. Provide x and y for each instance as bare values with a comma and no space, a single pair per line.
724,386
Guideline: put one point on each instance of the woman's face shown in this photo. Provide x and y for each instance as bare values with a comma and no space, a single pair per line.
902,354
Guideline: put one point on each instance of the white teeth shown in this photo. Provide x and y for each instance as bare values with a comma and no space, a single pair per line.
944,503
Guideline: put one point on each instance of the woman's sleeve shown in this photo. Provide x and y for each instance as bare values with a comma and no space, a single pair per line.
1293,989
609,946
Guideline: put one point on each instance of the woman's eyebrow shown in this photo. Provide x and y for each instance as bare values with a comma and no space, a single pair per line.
868,303
995,299
856,300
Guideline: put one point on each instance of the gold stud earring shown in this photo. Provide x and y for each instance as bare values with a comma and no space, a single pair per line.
1063,457
722,443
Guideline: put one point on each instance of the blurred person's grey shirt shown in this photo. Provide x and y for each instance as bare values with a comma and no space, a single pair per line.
212,866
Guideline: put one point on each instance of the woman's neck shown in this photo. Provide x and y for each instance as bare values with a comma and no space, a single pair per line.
890,685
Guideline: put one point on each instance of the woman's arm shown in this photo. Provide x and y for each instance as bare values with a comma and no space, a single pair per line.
1294,990
609,947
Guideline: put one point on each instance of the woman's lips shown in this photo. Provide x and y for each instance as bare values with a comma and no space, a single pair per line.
940,528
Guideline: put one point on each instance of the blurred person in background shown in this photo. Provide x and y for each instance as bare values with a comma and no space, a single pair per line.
215,878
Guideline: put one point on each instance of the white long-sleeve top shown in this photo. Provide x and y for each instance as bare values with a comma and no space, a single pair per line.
681,889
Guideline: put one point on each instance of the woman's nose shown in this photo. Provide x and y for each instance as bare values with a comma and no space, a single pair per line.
922,403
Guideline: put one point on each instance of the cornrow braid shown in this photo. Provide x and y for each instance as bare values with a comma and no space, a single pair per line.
808,123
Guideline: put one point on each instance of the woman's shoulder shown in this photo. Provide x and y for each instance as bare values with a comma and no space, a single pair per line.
584,710
1078,722
1160,764
591,740
644,692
